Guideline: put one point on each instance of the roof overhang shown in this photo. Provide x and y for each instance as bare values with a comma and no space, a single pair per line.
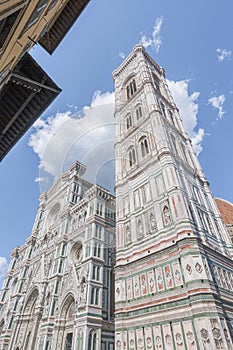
27,92
69,14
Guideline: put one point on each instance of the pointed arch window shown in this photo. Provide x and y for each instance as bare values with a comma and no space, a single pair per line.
131,88
171,117
138,112
92,340
128,120
144,147
156,82
132,157
173,142
95,296
163,108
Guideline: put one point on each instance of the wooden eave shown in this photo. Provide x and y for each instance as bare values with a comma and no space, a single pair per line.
69,14
27,92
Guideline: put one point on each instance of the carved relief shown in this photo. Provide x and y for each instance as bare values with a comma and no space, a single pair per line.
166,215
143,284
168,276
177,274
159,279
136,286
151,281
189,269
179,340
205,339
198,267
129,289
190,340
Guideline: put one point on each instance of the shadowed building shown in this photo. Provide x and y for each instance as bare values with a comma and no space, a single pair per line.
25,89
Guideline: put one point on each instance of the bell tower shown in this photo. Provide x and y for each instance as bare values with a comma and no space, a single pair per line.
174,276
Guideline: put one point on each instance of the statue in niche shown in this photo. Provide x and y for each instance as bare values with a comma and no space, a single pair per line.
118,344
218,338
149,342
166,215
158,343
168,339
140,228
82,285
179,340
140,343
131,344
190,340
205,339
128,235
226,334
152,221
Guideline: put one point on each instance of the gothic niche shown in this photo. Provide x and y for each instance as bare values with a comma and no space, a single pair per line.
140,228
53,213
152,222
205,339
127,235
166,215
76,253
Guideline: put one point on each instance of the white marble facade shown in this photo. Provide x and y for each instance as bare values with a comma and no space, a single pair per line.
173,255
57,293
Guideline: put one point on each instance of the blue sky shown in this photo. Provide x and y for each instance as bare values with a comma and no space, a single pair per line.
191,40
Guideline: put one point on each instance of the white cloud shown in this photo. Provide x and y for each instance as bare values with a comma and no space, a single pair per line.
40,179
217,102
87,137
155,41
188,107
121,55
223,54
3,266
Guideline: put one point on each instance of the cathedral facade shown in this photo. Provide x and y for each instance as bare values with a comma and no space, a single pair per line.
174,269
58,291
154,272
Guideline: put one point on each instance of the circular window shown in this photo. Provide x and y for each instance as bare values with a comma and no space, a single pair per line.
77,252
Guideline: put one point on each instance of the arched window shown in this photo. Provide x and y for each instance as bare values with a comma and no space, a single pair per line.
163,108
138,112
128,121
132,157
131,88
173,142
156,82
144,147
95,296
171,117
92,340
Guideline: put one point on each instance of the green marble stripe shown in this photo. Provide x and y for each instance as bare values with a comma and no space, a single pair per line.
167,305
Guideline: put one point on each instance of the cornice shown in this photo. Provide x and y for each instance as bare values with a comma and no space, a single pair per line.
137,49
